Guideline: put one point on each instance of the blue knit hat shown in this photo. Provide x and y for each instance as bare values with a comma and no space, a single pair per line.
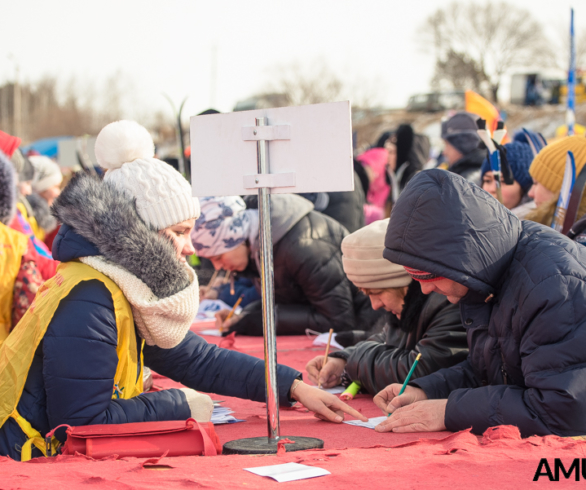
519,156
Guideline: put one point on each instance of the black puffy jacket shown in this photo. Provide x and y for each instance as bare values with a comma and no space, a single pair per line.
429,326
311,288
525,311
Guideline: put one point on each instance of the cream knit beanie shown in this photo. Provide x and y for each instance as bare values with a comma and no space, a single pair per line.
362,257
163,197
47,173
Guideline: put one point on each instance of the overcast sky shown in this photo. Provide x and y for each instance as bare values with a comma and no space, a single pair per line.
166,45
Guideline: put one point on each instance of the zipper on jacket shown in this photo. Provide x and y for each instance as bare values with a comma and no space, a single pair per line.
503,370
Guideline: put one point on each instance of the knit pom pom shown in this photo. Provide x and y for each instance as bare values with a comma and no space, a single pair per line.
122,142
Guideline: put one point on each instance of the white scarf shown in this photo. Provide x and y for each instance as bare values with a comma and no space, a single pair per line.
161,322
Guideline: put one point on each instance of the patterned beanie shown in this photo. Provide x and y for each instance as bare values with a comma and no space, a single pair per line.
224,224
362,258
163,197
549,165
519,156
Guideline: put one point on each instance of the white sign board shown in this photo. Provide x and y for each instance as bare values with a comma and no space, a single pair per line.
309,150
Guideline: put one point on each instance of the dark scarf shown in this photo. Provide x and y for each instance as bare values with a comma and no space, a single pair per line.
414,302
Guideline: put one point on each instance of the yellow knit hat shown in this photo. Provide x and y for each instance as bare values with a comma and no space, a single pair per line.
549,165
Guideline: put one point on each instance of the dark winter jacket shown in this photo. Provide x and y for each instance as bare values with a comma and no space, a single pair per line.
311,289
70,379
469,165
429,326
347,208
525,311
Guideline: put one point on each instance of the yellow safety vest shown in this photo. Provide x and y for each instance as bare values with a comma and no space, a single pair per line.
32,221
17,352
12,247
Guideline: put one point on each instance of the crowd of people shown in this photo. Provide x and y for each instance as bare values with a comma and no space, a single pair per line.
98,284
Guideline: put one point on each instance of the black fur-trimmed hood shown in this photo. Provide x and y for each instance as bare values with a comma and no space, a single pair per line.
103,215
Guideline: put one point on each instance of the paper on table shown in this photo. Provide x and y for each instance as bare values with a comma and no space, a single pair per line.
209,307
336,390
212,332
322,340
371,424
222,415
288,472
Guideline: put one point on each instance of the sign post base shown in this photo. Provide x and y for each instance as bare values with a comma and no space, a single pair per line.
263,445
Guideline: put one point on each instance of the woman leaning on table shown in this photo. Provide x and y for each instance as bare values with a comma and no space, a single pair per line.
123,297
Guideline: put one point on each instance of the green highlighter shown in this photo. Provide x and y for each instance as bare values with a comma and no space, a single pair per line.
408,377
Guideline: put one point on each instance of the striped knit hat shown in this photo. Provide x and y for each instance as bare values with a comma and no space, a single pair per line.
422,276
549,165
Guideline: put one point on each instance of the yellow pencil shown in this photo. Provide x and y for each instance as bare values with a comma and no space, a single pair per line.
231,314
327,351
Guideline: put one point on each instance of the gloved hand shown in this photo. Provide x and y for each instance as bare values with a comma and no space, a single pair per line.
201,405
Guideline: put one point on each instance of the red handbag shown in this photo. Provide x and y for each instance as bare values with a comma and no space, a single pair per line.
143,439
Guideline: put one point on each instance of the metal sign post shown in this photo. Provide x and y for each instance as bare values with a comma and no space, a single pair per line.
317,158
268,290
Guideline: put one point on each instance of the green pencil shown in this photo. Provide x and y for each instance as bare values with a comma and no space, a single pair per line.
408,377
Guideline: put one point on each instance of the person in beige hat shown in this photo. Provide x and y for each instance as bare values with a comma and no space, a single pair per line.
415,323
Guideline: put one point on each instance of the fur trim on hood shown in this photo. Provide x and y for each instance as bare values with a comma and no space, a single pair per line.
104,215
42,212
7,190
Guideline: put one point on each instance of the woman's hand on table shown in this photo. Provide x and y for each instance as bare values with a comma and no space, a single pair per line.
222,324
421,416
324,405
329,375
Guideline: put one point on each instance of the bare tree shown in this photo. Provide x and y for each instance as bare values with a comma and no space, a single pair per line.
459,71
51,107
316,82
494,37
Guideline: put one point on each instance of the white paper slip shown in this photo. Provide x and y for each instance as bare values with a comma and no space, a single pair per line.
212,332
223,415
336,390
371,424
209,307
322,340
288,472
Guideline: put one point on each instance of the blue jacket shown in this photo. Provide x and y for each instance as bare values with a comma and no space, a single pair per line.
525,311
70,380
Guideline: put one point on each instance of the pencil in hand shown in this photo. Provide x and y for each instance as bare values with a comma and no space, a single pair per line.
327,352
408,377
231,314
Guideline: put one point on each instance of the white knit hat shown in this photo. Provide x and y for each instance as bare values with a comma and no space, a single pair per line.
362,258
47,173
163,197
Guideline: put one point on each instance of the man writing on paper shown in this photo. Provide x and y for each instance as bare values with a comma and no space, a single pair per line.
521,288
